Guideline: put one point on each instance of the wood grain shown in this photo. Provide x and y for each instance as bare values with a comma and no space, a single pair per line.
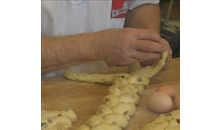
58,93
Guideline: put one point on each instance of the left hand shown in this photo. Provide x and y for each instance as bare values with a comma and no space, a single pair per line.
153,61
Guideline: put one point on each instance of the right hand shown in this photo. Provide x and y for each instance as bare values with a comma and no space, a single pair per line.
126,46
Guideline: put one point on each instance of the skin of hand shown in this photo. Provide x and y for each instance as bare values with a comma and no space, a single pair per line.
114,46
153,61
151,20
126,46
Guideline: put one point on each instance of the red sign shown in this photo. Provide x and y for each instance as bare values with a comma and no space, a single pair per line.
119,8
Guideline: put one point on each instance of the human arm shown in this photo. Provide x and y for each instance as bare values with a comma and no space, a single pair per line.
147,16
62,52
114,46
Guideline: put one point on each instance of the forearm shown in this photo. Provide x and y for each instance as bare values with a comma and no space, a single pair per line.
65,51
114,46
145,16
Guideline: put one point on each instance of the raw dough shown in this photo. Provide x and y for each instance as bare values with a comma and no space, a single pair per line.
117,119
120,81
129,98
92,78
114,90
69,113
121,97
83,127
103,110
105,126
167,121
110,100
94,120
134,66
150,71
56,123
124,109
138,79
57,120
133,88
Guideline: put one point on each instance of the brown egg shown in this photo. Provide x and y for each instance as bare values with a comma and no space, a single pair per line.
160,102
168,90
177,101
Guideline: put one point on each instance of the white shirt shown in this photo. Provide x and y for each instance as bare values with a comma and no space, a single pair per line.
71,17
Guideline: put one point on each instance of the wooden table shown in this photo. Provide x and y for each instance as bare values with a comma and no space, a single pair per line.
58,93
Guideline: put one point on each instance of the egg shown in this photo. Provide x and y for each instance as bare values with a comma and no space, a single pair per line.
177,101
168,90
160,102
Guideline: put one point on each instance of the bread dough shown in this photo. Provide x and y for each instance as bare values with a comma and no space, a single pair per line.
138,79
105,126
57,119
134,66
120,81
103,110
110,100
122,97
150,71
69,113
92,78
83,127
133,88
167,121
56,123
114,90
117,119
124,109
94,120
129,98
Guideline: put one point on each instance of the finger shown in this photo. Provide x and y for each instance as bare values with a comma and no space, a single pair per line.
143,34
150,46
142,56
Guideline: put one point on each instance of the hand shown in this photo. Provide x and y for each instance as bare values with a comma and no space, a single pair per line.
126,46
154,60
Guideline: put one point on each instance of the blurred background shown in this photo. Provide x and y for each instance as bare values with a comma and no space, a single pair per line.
170,24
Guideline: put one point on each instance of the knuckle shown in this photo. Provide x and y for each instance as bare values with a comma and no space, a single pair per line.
127,43
151,34
129,31
124,53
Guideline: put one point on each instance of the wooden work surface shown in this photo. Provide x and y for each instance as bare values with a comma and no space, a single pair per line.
58,93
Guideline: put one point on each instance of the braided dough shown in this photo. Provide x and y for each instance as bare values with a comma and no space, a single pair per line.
122,96
117,119
57,120
168,121
103,110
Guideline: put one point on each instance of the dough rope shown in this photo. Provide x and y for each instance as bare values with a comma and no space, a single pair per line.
92,78
150,71
119,105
